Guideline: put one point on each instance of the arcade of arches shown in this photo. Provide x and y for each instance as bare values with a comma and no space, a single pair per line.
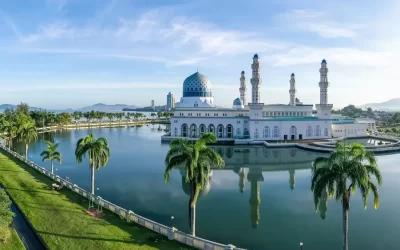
267,133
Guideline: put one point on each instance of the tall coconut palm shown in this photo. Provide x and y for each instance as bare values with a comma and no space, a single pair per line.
98,152
342,173
51,154
28,134
197,159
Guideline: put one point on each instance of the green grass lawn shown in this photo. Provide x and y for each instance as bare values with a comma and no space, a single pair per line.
13,243
60,217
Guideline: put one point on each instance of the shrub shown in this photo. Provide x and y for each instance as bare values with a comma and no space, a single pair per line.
6,215
4,234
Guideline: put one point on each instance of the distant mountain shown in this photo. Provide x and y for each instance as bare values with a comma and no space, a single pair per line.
96,107
107,108
12,106
390,105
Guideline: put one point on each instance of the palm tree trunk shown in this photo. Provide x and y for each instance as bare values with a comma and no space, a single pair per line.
92,168
52,167
193,210
193,219
26,151
346,203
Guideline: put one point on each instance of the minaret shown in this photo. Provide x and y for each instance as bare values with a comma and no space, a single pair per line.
243,89
255,80
323,84
292,90
323,108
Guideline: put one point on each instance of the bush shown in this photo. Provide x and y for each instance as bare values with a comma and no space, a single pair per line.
5,234
6,216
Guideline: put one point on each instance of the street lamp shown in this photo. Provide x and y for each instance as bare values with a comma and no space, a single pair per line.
301,245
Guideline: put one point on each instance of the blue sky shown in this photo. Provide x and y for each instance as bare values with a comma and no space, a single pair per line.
74,53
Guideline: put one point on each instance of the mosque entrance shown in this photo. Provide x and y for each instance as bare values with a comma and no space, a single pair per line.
300,136
292,137
285,137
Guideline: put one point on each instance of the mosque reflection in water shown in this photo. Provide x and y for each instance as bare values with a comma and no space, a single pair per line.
249,163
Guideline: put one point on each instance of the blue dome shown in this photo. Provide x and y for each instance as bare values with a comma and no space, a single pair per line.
197,85
292,74
238,102
324,61
255,56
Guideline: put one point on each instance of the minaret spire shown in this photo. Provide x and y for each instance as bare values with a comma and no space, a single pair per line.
255,80
243,89
323,84
292,90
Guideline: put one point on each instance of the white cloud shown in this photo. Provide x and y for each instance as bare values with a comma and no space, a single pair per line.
317,22
343,56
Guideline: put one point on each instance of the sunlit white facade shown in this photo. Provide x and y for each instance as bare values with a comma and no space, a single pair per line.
196,113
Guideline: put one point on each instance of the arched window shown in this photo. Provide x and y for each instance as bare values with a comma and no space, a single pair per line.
309,131
317,130
184,130
202,129
193,130
175,131
276,132
229,131
256,135
220,130
267,132
211,128
293,130
326,132
238,132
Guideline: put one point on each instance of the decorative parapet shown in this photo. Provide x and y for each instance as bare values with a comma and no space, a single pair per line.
170,232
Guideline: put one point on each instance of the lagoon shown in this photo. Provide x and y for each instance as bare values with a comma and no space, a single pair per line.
261,200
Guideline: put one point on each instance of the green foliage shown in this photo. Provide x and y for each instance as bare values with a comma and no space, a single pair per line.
197,160
52,211
51,154
6,215
64,118
23,108
354,165
5,234
97,150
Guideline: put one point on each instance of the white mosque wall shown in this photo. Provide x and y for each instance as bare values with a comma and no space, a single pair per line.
349,130
290,130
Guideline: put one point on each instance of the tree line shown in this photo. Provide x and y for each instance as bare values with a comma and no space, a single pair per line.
44,118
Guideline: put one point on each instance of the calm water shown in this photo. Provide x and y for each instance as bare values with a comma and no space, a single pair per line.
261,200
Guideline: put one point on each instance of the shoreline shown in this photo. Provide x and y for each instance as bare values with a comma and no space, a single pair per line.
85,125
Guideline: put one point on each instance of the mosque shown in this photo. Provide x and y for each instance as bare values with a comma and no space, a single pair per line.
197,113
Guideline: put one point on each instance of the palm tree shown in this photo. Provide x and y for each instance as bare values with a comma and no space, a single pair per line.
51,154
110,117
28,134
97,150
352,165
197,159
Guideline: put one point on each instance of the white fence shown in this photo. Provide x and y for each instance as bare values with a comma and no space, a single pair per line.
171,232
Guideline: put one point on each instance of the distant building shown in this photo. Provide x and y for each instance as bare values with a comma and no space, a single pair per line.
152,105
170,101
